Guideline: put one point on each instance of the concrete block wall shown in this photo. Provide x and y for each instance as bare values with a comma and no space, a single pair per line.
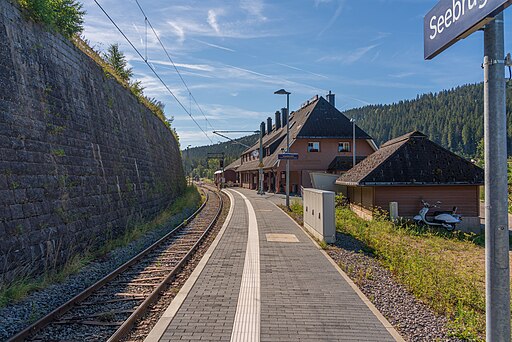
80,158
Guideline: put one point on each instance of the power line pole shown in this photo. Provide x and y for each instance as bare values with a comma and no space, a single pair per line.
189,167
496,187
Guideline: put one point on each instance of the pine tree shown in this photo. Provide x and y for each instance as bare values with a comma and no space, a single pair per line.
117,60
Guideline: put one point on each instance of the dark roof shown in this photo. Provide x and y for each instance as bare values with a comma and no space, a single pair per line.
325,121
317,119
234,165
343,163
413,159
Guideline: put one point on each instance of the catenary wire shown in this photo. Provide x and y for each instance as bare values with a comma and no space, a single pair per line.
172,62
152,69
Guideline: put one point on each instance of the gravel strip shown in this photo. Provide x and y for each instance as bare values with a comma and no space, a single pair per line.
17,316
413,319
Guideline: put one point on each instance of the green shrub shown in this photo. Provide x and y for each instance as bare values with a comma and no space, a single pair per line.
64,16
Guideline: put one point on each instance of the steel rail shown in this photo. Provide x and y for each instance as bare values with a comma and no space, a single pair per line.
62,309
141,309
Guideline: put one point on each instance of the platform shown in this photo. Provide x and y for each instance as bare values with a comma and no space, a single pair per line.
264,279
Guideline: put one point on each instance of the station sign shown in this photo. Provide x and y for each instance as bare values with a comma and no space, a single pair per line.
452,20
288,156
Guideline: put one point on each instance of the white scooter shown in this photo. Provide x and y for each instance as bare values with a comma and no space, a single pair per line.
445,219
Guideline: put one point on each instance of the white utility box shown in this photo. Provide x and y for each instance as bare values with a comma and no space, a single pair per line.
319,214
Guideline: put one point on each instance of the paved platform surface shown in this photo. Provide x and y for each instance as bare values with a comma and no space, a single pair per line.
267,281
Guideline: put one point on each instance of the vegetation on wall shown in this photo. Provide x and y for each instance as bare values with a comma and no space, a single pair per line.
66,17
184,205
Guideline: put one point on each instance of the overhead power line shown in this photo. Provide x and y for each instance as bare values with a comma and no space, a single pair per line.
172,62
152,69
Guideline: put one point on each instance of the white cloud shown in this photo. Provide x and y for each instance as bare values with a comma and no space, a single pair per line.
178,31
212,20
350,57
254,8
337,13
320,2
214,45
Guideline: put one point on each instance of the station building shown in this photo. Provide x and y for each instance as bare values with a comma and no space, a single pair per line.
319,133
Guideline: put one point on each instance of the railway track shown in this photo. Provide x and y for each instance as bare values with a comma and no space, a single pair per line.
107,310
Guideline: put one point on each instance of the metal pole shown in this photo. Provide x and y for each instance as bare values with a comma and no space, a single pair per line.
260,190
353,142
287,150
496,214
188,170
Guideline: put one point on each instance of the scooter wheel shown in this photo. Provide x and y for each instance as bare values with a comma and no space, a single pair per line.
450,227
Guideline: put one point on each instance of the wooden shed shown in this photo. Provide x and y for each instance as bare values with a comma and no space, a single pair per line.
410,169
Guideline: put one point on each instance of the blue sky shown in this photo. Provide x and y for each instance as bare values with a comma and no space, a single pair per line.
234,54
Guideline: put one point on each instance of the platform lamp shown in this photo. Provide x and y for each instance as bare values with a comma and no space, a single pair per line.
284,92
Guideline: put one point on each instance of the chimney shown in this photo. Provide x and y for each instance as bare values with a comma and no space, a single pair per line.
330,99
262,128
278,120
269,125
284,114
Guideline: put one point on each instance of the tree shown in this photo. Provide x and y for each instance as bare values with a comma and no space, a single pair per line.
117,60
64,16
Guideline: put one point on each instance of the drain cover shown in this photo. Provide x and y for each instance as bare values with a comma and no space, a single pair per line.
281,238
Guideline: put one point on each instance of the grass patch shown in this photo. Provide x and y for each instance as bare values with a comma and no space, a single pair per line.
445,271
295,211
190,199
22,287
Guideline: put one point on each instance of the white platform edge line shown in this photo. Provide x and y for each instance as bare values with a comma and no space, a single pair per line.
161,326
246,327
389,327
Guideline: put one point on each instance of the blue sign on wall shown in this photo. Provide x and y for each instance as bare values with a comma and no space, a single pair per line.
452,20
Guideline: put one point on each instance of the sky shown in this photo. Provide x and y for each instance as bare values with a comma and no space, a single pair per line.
234,54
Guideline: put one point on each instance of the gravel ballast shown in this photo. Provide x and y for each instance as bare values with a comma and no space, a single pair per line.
15,317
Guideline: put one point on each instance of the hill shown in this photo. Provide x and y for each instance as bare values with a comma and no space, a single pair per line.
453,118
195,160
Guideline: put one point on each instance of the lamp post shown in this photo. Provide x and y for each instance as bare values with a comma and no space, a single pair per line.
284,92
353,141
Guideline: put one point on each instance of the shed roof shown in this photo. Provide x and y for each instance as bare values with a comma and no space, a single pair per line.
234,165
343,163
413,159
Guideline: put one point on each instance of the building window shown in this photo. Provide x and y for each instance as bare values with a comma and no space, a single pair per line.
344,147
314,146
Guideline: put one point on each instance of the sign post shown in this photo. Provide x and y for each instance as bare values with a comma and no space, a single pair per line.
496,187
448,22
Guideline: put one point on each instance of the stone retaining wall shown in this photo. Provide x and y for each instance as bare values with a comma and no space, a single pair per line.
80,158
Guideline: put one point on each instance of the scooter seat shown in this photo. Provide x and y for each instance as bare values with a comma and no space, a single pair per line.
442,212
